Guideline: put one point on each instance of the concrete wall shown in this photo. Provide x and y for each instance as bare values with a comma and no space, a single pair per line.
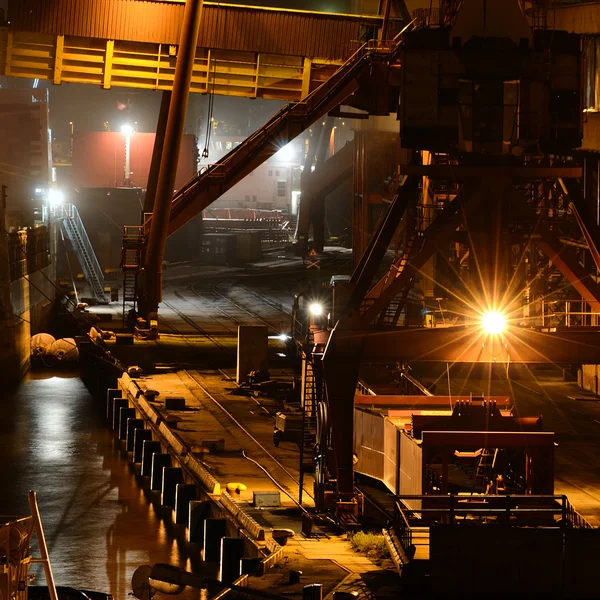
411,469
591,131
588,378
495,562
252,351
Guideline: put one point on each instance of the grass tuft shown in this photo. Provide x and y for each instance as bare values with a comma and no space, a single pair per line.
372,544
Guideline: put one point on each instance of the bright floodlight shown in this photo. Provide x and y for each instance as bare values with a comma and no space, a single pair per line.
127,129
315,309
493,322
286,154
55,197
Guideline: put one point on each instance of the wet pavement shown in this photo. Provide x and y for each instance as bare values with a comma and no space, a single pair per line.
100,524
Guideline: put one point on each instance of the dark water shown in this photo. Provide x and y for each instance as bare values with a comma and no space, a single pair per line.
100,525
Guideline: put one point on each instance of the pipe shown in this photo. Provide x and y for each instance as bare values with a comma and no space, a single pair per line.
39,530
157,151
170,156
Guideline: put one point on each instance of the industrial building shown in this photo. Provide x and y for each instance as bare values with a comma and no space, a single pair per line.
425,187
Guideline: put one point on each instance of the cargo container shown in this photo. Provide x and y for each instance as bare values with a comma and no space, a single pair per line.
218,249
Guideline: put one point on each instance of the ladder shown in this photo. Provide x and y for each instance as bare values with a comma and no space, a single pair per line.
312,383
487,462
131,261
72,225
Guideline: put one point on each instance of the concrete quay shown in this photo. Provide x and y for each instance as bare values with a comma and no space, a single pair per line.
202,446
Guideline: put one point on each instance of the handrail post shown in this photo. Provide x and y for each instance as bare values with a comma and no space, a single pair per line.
37,521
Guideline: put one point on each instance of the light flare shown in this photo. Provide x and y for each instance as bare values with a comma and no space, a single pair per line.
315,309
493,322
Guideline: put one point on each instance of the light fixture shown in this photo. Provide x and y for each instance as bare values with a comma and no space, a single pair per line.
315,309
126,129
55,197
493,322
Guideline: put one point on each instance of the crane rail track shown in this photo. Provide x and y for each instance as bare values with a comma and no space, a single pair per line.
269,456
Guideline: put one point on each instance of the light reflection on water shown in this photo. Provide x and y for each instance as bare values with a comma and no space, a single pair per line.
99,524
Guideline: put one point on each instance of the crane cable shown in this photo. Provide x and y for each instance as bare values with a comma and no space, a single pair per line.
211,102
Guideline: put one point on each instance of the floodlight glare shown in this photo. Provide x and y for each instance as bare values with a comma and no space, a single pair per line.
493,322
286,154
127,129
315,309
55,197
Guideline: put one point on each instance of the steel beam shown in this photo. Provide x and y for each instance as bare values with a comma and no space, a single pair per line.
462,172
369,264
439,232
243,159
469,344
565,260
488,439
148,65
585,218
170,156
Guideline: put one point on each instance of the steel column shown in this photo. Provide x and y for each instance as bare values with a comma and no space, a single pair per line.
170,156
159,142
317,207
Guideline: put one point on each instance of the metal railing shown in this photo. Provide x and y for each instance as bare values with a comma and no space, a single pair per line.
402,526
568,313
529,510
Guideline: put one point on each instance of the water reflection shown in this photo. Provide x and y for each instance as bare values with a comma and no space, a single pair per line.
100,524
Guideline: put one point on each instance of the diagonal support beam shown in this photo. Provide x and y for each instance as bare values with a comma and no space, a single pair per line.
371,259
565,259
438,233
585,220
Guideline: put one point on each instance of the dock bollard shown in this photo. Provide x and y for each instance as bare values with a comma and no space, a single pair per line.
140,435
249,566
159,462
232,551
149,449
199,511
118,404
171,477
184,494
214,530
126,413
314,591
132,426
111,394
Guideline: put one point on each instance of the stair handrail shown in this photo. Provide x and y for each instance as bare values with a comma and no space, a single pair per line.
89,262
249,146
91,254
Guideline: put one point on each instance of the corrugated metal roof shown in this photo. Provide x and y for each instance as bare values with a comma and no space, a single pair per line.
230,27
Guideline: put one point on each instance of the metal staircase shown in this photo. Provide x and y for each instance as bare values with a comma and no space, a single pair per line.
68,216
285,125
390,315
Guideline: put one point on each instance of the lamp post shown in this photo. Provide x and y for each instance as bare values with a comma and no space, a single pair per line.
127,130
71,142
